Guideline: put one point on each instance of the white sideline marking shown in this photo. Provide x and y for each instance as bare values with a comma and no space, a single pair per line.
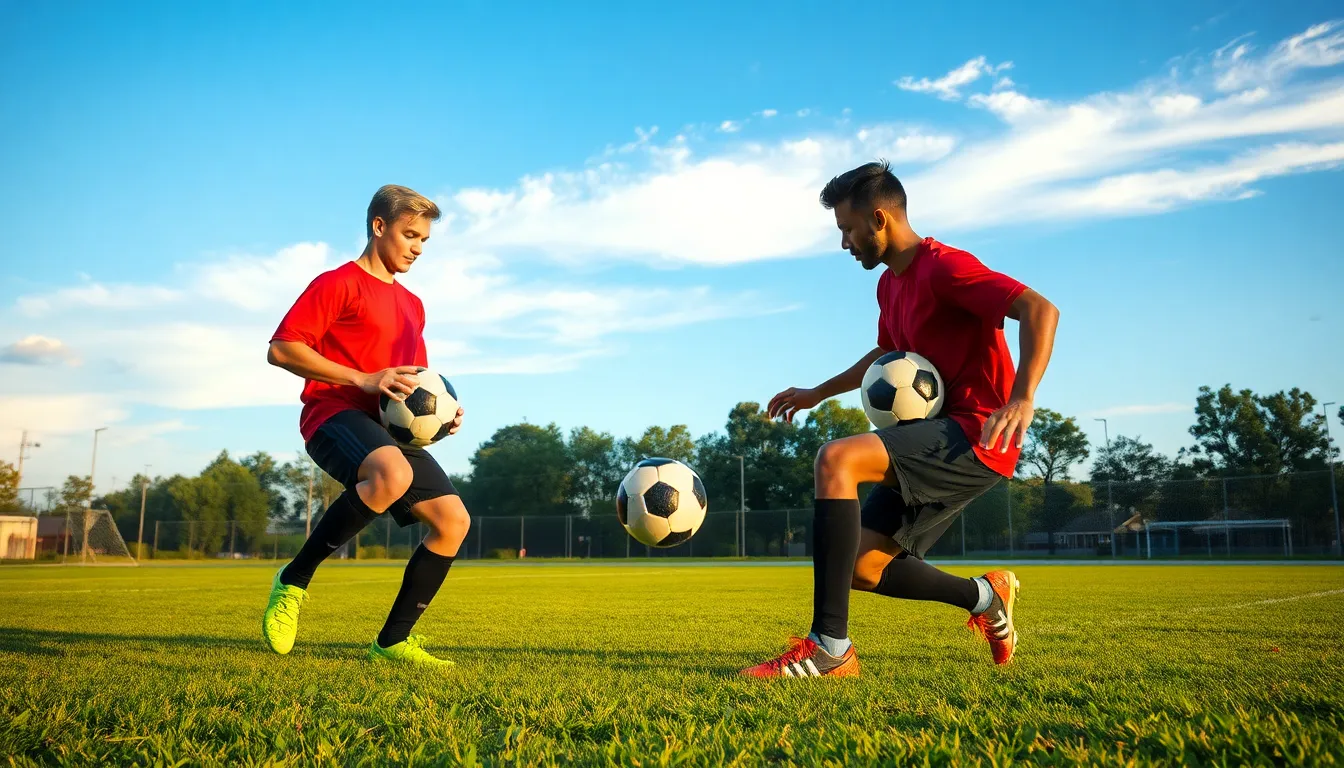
1271,600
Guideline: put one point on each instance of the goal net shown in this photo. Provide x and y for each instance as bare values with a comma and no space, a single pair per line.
93,539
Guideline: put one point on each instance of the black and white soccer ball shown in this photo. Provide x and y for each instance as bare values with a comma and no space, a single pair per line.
661,502
424,417
899,387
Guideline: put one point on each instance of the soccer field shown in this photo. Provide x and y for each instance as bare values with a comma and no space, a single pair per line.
634,665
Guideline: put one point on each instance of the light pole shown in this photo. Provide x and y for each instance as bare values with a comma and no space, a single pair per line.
741,506
140,537
24,445
93,467
1110,503
1330,464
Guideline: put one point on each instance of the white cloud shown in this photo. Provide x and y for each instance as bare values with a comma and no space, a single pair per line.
1321,45
96,295
948,87
769,113
1175,105
1009,105
804,112
38,350
730,126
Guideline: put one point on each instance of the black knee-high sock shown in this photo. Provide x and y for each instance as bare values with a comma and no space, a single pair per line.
910,578
346,516
424,575
835,547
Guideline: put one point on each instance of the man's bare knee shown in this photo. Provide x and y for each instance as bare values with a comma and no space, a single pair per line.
864,582
388,474
830,463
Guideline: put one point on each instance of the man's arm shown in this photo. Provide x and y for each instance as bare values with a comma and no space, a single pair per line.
792,400
1037,320
302,360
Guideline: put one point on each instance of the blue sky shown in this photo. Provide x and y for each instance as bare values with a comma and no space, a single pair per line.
632,235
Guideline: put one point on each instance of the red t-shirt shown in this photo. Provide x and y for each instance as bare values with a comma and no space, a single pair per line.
949,307
352,318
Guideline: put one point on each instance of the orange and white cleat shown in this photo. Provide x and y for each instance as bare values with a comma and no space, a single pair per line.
807,659
996,623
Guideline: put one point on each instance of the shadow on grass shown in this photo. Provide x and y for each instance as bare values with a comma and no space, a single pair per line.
38,642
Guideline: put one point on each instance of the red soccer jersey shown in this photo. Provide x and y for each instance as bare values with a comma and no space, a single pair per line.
352,318
949,307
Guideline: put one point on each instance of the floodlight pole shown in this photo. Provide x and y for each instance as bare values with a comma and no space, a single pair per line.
1110,503
140,537
1330,464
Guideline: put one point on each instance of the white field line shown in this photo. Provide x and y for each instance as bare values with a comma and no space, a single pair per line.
215,588
1270,601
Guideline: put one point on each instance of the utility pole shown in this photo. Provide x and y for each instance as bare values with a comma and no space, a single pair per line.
1330,464
24,445
741,506
140,537
1110,503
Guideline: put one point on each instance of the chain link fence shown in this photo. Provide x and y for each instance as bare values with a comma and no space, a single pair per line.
1279,516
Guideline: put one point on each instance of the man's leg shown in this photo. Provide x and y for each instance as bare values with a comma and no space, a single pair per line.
384,476
840,467
883,569
448,523
432,500
355,449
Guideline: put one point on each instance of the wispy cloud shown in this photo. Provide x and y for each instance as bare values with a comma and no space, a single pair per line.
948,87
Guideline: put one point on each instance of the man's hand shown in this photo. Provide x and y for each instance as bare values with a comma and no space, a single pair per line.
396,383
791,401
456,423
1010,422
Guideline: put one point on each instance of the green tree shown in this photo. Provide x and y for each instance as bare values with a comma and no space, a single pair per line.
1129,473
675,443
204,507
271,477
597,470
523,469
74,495
246,504
9,490
1241,433
1054,444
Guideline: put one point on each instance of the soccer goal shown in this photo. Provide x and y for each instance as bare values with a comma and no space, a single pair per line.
1211,529
92,538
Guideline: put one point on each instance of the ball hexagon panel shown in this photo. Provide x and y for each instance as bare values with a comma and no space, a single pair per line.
622,501
676,537
401,434
425,428
890,357
881,395
926,385
421,402
698,488
655,461
901,373
909,405
650,529
661,500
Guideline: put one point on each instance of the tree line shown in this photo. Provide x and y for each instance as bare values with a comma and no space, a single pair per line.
753,462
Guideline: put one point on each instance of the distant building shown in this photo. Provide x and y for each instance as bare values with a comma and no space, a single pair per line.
18,537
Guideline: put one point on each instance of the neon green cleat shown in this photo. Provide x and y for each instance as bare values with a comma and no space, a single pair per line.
408,651
280,623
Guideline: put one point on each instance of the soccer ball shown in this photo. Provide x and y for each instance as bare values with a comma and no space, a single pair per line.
424,416
661,502
900,387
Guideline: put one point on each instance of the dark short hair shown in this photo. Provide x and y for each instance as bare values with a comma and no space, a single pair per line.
871,183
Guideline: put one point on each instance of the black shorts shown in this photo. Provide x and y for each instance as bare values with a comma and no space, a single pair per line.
342,443
937,473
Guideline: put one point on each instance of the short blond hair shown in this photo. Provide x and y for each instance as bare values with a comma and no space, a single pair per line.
391,201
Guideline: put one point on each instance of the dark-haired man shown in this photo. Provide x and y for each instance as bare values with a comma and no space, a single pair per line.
944,304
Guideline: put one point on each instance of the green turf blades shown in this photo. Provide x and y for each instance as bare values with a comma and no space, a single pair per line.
280,622
408,651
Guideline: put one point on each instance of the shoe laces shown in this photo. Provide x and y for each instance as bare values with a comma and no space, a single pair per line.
290,603
799,649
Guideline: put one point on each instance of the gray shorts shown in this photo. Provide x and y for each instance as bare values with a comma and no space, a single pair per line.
937,473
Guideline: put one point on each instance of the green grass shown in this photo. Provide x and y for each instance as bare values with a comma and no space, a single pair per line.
635,665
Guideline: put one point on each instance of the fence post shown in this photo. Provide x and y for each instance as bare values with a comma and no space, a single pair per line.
1008,484
1227,530
387,538
233,538
522,542
154,552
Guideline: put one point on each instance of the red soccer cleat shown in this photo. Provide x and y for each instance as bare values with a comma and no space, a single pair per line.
807,659
996,623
